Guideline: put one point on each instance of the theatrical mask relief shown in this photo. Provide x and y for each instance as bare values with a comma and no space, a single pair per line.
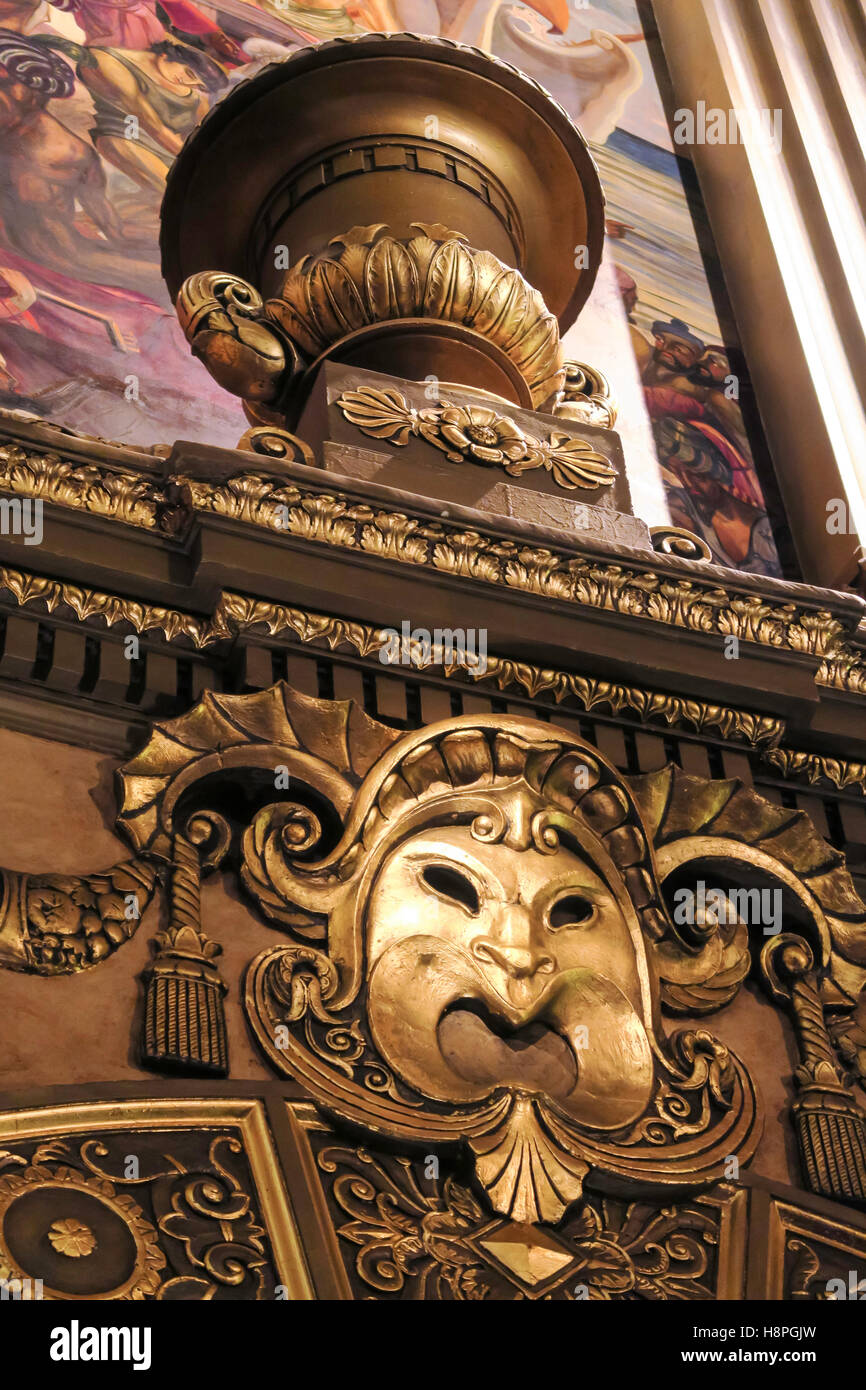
96,101
482,955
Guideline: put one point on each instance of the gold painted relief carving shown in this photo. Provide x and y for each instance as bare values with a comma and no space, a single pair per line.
586,397
161,1199
235,614
364,278
493,878
57,924
477,434
407,1236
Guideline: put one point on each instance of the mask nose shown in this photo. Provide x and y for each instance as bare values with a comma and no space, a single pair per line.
514,962
518,962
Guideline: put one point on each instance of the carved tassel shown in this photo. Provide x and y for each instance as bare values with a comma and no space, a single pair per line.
831,1126
184,1019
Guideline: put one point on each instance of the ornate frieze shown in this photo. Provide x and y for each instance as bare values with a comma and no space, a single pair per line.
279,503
112,492
407,1234
818,768
237,614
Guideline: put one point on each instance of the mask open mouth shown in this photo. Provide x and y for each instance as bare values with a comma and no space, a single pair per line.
482,1048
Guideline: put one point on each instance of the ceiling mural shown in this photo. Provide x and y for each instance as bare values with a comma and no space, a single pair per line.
98,96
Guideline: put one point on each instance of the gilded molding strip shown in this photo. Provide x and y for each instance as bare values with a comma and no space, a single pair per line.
334,519
115,493
87,604
845,670
337,520
235,614
244,614
817,768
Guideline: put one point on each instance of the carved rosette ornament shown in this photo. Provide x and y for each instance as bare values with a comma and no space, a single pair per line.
477,434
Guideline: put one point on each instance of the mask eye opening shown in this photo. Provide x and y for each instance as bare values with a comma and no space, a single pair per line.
572,910
448,882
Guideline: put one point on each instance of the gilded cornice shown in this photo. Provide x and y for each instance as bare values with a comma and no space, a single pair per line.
337,519
816,768
114,493
670,593
844,670
89,604
236,615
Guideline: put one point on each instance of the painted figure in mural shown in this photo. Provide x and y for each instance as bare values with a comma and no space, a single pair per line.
315,22
146,104
700,436
138,24
710,489
53,180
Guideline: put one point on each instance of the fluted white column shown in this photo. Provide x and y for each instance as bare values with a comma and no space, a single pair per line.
790,227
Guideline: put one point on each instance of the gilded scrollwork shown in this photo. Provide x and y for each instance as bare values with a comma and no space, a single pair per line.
407,1235
477,434
586,397
178,1224
724,825
675,540
227,328
277,443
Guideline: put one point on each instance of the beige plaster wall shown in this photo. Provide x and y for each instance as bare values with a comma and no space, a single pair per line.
56,813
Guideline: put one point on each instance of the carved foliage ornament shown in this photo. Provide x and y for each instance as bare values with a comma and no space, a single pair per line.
477,434
367,277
